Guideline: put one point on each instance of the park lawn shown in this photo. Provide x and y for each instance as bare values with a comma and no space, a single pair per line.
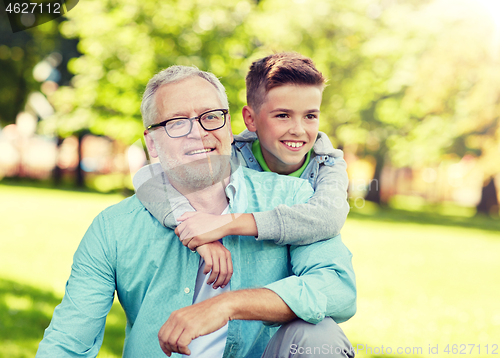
419,285
40,231
422,286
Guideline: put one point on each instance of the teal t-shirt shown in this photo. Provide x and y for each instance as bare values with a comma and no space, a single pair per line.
257,152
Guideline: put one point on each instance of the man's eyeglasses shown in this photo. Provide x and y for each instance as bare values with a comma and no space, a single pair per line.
182,126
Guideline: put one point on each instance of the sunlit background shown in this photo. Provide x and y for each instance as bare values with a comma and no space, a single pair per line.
413,99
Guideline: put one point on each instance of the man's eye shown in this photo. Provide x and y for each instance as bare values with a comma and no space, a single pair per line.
312,116
282,115
178,123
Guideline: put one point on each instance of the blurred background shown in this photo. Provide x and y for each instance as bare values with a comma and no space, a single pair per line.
413,99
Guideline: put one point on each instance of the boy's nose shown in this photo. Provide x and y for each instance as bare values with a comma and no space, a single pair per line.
297,128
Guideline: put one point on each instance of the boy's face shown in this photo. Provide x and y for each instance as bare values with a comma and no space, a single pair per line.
287,125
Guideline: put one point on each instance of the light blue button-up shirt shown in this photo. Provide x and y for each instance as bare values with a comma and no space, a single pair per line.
127,251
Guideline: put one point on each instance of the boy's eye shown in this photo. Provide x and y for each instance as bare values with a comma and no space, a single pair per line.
312,116
282,115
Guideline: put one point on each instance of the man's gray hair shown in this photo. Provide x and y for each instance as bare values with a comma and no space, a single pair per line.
170,75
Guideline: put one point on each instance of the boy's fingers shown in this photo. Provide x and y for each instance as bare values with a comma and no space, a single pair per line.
186,215
229,262
208,264
215,271
222,273
181,231
186,241
191,242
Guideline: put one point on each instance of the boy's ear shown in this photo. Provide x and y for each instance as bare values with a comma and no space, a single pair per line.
150,144
249,118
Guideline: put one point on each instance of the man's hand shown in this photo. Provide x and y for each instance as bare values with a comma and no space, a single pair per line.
206,317
218,260
197,228
191,322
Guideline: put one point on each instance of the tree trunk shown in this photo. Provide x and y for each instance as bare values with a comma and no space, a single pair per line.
80,176
373,193
57,171
489,200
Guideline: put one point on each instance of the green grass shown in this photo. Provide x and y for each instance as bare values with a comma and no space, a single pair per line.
40,231
423,278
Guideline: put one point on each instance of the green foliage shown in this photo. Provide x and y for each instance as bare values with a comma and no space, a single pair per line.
125,43
409,81
19,53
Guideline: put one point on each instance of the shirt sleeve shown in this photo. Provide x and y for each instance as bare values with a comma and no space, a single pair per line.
321,217
323,283
77,326
162,200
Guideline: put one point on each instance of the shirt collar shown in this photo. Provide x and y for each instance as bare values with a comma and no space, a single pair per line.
236,190
257,152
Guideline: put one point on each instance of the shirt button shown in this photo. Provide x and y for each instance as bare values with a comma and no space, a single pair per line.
186,290
251,159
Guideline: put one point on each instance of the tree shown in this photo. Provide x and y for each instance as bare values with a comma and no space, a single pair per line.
457,93
19,53
124,43
399,78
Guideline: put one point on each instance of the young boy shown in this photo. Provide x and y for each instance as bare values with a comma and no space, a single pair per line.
284,93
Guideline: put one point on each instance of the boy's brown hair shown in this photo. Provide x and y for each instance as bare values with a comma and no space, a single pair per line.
277,70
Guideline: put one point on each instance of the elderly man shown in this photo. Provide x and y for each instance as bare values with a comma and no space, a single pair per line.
159,281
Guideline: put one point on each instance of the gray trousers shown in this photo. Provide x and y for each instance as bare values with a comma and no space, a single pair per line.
299,339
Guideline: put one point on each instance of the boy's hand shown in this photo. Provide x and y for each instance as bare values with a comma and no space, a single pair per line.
218,260
198,228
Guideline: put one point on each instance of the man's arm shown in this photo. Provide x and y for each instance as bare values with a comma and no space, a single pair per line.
77,326
323,283
210,315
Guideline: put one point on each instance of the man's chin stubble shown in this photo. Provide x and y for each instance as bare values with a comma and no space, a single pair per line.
200,174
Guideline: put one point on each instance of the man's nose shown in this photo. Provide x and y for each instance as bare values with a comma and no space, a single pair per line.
197,131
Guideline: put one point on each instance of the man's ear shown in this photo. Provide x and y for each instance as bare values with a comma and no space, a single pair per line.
249,118
150,144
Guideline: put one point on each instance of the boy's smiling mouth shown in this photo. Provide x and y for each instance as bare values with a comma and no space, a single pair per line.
293,144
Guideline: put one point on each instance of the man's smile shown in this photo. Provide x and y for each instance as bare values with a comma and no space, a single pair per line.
200,151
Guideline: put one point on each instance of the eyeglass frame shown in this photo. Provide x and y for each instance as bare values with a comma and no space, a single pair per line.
163,124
